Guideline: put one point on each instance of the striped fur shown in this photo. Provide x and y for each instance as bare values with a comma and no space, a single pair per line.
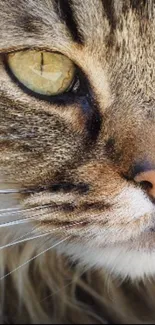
76,232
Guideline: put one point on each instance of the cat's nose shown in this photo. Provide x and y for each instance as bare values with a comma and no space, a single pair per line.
146,179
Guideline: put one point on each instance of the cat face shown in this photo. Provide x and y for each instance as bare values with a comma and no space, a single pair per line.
74,156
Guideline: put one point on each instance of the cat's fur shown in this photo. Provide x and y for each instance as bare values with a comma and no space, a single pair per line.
84,152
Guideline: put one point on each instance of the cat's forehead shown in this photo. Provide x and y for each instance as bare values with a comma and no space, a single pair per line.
60,21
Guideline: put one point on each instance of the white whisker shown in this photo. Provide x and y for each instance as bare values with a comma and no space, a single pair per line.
17,211
38,236
18,239
10,191
9,209
9,212
23,240
14,223
33,258
33,218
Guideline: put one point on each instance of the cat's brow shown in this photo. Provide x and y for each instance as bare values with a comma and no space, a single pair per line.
29,25
65,13
108,9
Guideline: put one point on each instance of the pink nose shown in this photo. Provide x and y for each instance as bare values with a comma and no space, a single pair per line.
147,179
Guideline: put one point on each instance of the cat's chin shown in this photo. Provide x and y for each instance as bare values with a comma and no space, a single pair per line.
134,259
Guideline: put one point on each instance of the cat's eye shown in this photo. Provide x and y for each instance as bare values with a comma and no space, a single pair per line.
45,73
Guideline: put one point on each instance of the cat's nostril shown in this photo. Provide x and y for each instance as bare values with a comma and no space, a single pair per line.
147,181
147,186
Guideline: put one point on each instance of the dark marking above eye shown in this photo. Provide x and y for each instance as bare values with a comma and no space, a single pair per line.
66,13
144,8
109,10
29,24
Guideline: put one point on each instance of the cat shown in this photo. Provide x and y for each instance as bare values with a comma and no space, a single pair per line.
77,161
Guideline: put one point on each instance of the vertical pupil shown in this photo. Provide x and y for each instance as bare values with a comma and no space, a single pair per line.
42,62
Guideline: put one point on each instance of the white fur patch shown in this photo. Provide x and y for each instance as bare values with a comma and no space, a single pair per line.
119,261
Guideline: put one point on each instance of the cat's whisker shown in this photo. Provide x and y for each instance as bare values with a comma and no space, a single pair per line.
18,239
15,223
9,209
15,211
23,220
10,191
23,241
10,214
18,211
34,258
23,190
5,212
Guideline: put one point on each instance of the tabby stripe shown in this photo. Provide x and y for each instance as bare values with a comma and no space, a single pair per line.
109,10
65,12
144,7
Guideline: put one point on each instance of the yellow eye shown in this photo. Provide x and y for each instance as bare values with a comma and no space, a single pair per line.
45,73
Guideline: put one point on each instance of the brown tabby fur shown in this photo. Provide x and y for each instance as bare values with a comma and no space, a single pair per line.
43,144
